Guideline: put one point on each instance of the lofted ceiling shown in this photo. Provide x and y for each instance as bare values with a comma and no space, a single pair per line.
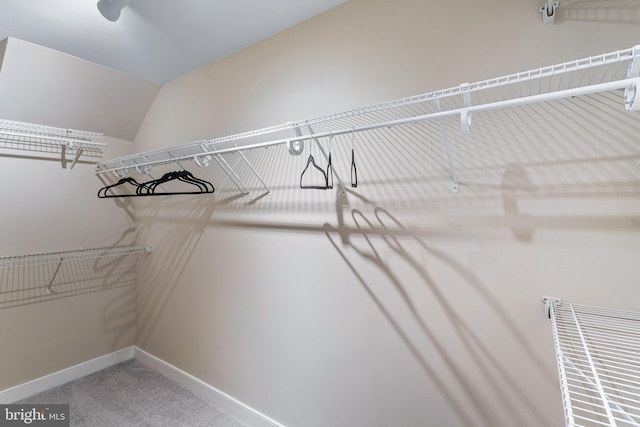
155,40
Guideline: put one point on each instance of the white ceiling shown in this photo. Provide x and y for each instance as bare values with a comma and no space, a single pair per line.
156,40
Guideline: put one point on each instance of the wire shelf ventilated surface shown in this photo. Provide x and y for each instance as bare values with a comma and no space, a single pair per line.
598,354
46,139
419,116
27,279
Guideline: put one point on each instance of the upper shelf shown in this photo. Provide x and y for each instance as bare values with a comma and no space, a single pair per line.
33,137
601,73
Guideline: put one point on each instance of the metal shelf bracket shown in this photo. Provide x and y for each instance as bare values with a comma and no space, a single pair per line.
548,301
548,11
465,114
631,95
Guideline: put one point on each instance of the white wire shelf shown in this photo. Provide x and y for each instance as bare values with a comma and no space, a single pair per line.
601,73
598,355
46,139
27,279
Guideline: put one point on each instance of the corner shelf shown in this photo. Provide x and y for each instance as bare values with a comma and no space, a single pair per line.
598,356
33,137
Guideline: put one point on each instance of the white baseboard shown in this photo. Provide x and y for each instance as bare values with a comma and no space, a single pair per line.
228,404
41,384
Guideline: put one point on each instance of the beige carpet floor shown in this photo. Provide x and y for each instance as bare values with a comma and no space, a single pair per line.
132,395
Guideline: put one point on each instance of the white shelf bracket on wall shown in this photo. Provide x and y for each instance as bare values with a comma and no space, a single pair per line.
233,176
445,141
255,172
465,114
549,11
295,147
598,364
631,93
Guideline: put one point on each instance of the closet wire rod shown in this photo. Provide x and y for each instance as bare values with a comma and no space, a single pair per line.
532,99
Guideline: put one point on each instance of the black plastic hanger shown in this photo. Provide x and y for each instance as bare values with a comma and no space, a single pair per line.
329,173
354,169
102,193
149,188
311,161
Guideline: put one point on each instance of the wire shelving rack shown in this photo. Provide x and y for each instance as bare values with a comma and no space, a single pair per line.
46,139
27,279
598,355
421,116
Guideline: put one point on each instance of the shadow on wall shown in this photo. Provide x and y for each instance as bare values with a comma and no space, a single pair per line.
177,245
454,373
522,171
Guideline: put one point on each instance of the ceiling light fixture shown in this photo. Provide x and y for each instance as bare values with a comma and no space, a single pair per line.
110,9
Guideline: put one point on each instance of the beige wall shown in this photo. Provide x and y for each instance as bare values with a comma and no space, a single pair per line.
401,304
47,209
302,307
42,85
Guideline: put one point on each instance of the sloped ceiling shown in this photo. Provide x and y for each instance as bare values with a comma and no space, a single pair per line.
47,87
49,71
155,40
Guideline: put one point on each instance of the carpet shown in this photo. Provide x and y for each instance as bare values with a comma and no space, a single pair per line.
130,394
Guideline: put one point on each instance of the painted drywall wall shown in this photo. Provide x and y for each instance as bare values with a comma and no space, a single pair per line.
44,86
47,209
403,303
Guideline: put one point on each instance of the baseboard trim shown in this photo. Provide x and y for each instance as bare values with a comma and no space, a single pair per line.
220,399
55,379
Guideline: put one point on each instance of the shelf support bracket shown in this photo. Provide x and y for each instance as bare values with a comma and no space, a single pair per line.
631,93
548,11
445,141
465,114
49,291
295,147
75,158
548,301
228,170
255,172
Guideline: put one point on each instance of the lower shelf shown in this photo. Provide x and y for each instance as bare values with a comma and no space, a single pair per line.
598,354
27,279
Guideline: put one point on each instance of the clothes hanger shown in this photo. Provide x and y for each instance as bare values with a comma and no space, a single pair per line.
329,168
354,169
311,161
149,188
102,193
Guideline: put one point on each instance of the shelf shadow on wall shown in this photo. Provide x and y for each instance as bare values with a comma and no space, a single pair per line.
371,238
174,246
